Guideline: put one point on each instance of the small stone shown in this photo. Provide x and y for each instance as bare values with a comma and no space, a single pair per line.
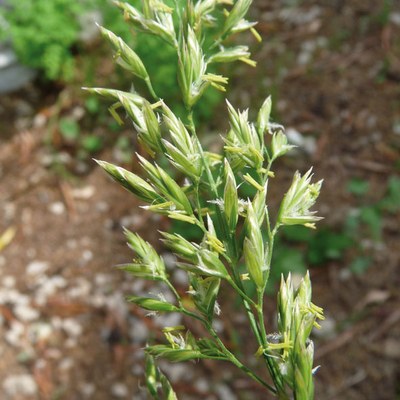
119,390
138,331
57,208
84,193
395,18
20,385
218,325
14,335
72,327
9,281
102,279
169,260
137,370
26,313
132,220
306,143
87,255
37,267
102,206
66,364
70,343
327,330
39,332
172,319
202,385
87,389
225,392
181,277
178,372
48,287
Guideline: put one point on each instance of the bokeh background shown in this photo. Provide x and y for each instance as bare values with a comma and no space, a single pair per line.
66,331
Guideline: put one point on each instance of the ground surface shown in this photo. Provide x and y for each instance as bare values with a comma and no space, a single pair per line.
66,331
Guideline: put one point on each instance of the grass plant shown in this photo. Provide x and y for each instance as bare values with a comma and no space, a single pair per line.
238,233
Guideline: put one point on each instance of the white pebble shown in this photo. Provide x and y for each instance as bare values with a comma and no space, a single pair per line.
225,392
26,313
202,385
87,255
14,335
20,385
119,390
84,193
66,364
37,267
9,281
39,331
138,331
72,327
87,389
57,208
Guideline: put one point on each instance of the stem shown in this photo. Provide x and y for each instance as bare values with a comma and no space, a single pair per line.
198,205
150,87
173,290
234,360
242,293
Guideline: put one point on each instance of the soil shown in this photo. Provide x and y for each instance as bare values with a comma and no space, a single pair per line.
66,330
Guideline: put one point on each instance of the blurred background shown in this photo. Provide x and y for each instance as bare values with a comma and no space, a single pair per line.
66,331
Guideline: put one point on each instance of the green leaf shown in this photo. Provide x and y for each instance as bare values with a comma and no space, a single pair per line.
358,187
92,143
391,201
69,128
371,216
360,265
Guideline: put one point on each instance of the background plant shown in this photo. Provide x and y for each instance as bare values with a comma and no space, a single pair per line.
45,34
238,233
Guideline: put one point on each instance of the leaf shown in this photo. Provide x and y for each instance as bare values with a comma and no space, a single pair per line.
69,128
7,237
92,143
360,265
358,187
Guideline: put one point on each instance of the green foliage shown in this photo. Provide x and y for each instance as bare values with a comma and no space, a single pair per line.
358,187
236,234
44,32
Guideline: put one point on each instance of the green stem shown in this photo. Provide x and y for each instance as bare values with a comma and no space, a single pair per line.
242,293
234,360
173,290
150,87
